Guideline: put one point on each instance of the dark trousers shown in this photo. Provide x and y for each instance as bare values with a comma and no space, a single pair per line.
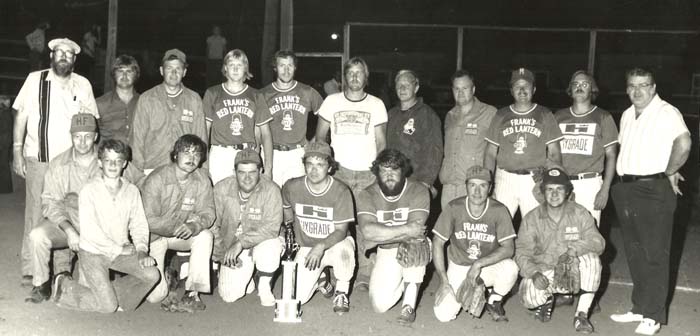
645,210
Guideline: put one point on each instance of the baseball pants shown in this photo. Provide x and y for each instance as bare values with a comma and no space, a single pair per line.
102,295
200,247
264,256
589,269
585,191
501,276
221,162
515,191
452,191
43,240
287,165
386,284
341,257
34,184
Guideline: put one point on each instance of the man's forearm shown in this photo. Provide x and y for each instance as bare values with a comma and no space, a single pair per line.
610,166
679,153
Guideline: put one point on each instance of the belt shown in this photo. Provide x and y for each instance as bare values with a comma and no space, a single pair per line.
583,176
633,178
286,147
239,146
520,171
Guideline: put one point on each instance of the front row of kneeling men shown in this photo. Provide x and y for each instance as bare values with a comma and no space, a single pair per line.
237,222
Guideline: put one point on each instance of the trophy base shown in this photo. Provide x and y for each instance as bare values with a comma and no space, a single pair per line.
287,311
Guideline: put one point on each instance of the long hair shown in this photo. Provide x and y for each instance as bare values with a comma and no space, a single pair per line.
186,142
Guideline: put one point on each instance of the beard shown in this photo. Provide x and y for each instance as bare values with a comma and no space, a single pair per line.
62,68
391,192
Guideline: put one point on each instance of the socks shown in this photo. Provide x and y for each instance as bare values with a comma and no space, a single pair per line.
342,286
410,294
493,297
264,284
584,302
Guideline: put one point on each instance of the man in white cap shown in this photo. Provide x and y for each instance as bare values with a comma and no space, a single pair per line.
43,110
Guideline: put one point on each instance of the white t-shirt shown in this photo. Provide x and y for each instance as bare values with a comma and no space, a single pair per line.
352,128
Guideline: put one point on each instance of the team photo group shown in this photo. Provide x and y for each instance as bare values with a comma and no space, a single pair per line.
114,183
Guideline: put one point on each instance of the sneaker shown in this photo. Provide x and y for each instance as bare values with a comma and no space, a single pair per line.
57,286
543,313
582,324
39,294
627,317
324,285
27,281
564,300
647,327
408,315
341,304
497,312
267,299
192,299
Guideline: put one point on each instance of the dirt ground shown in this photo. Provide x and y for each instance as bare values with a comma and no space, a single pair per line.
247,317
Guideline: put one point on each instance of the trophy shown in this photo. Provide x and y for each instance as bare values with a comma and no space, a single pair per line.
288,308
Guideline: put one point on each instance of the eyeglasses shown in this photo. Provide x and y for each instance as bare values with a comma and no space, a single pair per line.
643,86
583,85
68,53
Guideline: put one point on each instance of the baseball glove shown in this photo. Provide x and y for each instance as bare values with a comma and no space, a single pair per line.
566,275
472,298
415,253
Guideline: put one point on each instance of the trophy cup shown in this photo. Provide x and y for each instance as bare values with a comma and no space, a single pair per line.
288,308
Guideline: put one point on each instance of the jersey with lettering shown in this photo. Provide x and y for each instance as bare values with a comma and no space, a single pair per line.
233,116
415,197
586,137
522,137
473,237
315,215
352,128
290,110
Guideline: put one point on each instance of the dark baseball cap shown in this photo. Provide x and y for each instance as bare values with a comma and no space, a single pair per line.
555,176
478,172
522,73
83,122
247,156
175,54
321,149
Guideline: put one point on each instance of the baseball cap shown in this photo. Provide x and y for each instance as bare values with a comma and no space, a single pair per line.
555,176
64,41
247,156
175,54
522,73
478,172
321,149
83,122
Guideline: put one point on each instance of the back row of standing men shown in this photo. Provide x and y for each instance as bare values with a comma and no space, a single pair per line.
513,143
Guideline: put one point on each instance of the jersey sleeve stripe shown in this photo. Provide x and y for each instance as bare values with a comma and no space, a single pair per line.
264,122
367,213
493,142
208,119
437,234
554,140
611,143
422,210
344,221
506,238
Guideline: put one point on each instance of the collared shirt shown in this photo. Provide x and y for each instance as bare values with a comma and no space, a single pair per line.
290,111
116,116
159,120
50,132
541,240
416,133
352,124
250,222
168,203
108,220
523,137
586,137
646,141
464,141
63,177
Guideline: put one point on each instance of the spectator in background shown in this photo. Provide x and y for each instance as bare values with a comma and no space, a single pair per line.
216,47
333,85
36,41
91,40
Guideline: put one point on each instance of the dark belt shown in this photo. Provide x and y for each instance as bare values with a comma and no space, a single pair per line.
286,147
520,171
583,176
240,146
633,178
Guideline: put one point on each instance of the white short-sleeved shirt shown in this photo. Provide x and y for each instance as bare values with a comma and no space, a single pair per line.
646,142
352,128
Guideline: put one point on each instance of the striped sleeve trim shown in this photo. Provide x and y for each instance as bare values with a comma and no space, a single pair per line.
344,221
421,210
611,143
437,234
555,140
492,142
367,213
264,122
208,119
506,238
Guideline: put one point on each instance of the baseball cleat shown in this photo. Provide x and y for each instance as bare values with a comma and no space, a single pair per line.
192,299
39,294
57,286
496,311
564,300
627,317
543,313
408,315
341,303
582,324
267,299
324,284
648,327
